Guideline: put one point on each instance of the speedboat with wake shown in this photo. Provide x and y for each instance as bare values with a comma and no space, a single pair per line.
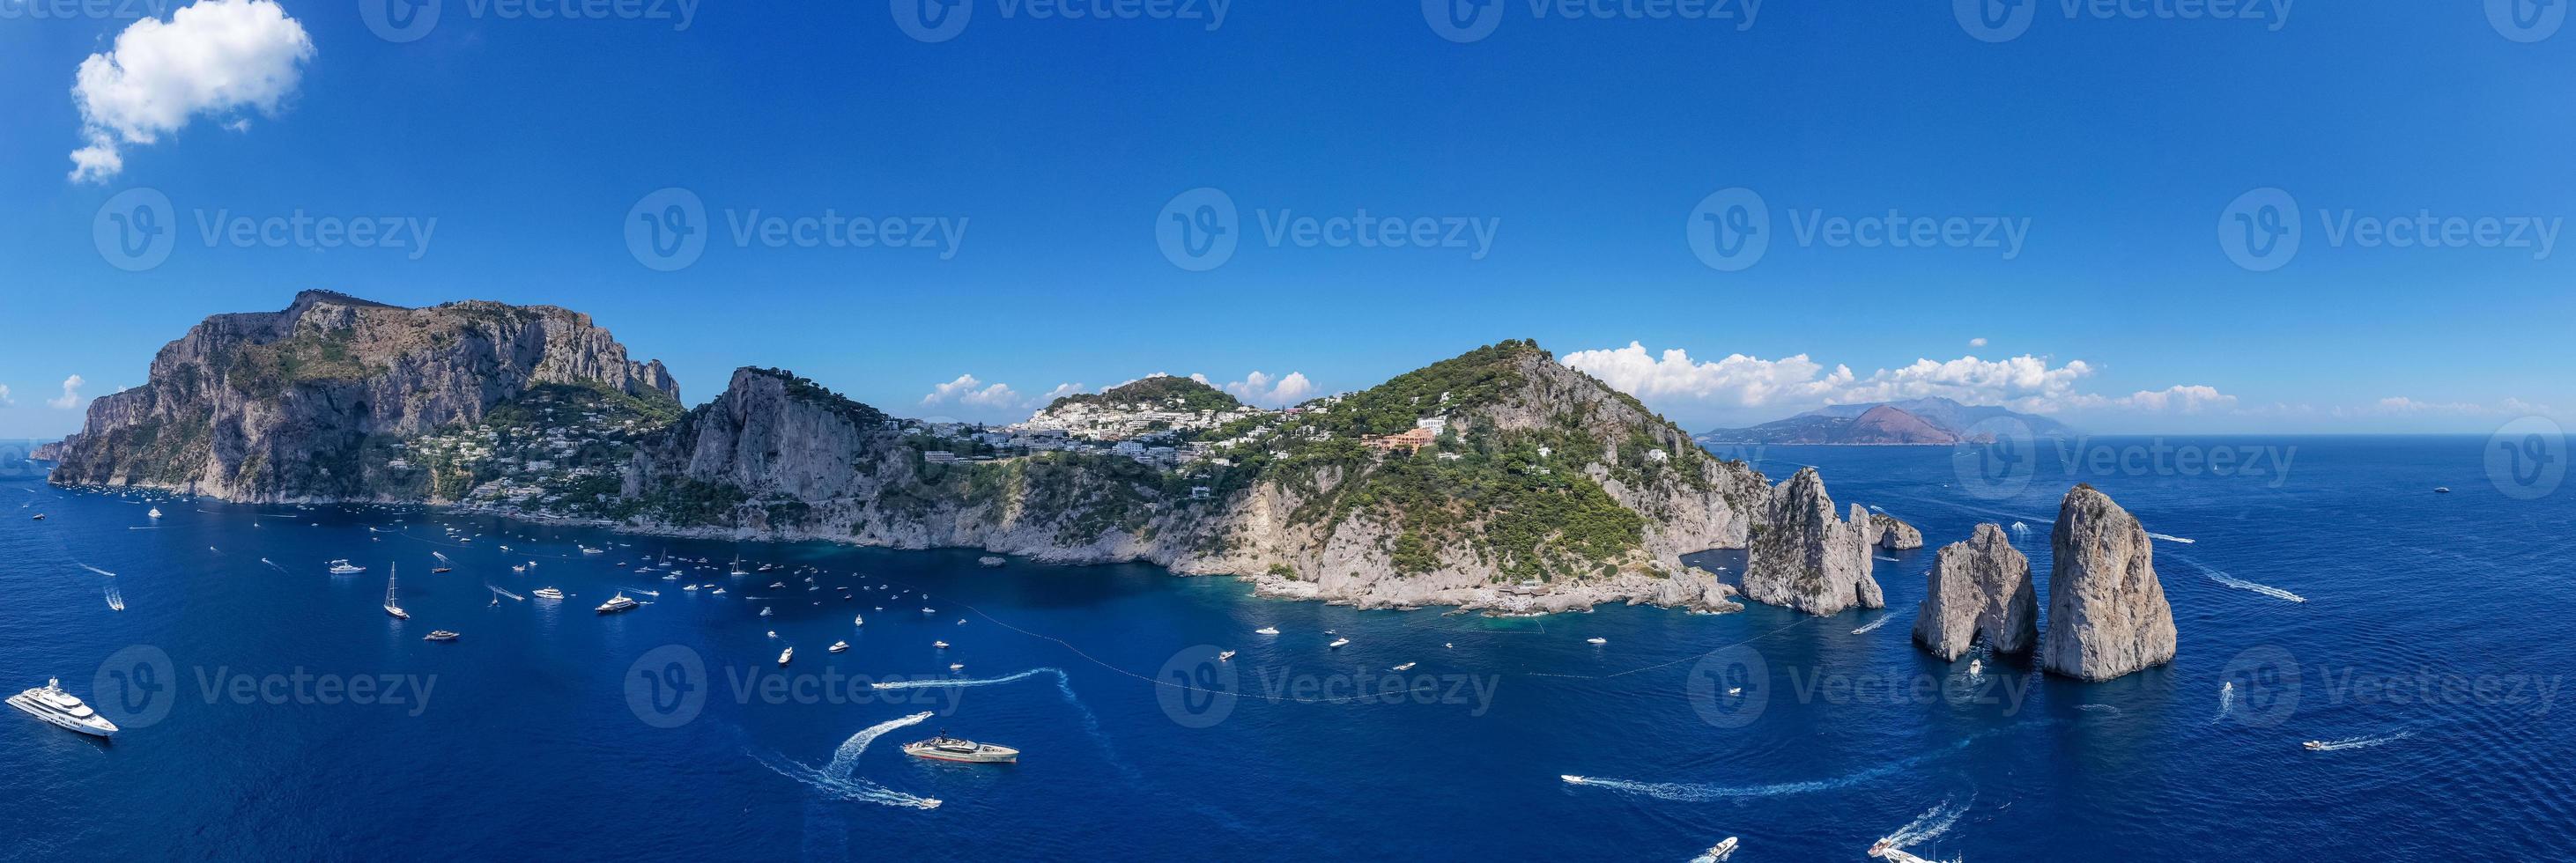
51,704
1720,851
946,748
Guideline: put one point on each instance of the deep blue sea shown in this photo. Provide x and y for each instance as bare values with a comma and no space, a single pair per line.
2428,651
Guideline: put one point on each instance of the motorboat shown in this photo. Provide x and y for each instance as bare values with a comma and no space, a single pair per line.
439,635
861,620
1976,667
589,550
929,611
956,666
548,593
2315,745
1266,630
839,646
1596,640
51,704
343,567
2442,489
989,561
961,621
1405,667
946,748
1721,850
616,604
1338,642
764,611
942,645
784,655
155,513
1224,655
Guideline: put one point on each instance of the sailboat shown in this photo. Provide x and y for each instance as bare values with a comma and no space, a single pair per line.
390,607
737,566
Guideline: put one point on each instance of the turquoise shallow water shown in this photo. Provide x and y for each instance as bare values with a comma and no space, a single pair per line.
548,730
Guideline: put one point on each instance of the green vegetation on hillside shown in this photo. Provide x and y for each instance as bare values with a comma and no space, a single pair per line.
1162,391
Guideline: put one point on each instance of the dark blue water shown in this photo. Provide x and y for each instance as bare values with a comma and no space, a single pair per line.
528,744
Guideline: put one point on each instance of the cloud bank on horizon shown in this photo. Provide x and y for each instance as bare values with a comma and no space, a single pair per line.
219,59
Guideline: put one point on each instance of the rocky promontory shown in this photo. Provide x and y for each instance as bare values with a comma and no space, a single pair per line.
1978,590
2107,614
1806,558
1892,533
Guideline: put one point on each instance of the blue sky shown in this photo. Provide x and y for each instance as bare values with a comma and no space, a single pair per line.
1043,154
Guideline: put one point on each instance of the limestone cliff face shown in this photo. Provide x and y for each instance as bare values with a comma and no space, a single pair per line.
2107,614
1892,533
1979,589
283,405
48,451
1808,559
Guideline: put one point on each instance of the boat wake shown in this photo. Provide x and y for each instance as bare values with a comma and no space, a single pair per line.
2226,700
1928,826
1063,683
272,564
2362,742
1691,792
2242,584
2098,708
94,569
839,778
115,600
2170,538
1882,621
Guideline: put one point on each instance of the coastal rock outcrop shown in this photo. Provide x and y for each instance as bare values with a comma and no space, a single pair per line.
1808,559
2107,614
1892,533
52,451
1979,589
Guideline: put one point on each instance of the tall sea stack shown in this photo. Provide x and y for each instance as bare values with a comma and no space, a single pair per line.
1978,589
1806,558
2107,614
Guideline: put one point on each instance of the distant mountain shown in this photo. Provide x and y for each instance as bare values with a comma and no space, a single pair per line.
1929,421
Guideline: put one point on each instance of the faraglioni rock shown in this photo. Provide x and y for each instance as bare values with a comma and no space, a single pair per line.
2107,614
1979,589
1892,533
1806,558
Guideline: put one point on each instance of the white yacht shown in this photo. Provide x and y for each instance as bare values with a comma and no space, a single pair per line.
616,604
51,704
929,611
1723,849
1266,630
441,635
343,567
1596,640
861,620
392,607
839,646
942,645
1405,667
1338,642
784,655
946,748
155,513
548,593
1224,655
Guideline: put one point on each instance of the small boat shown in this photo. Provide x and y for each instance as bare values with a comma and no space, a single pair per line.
1976,667
1405,667
2315,745
1224,655
1596,640
691,588
784,655
444,635
589,550
51,704
548,593
155,513
1722,849
719,591
1735,690
343,567
946,748
40,516
928,611
616,604
989,561
961,621
861,620
764,611
839,646
2436,490
942,645
1883,846
519,569
1266,630
737,567
956,666
1338,642
780,585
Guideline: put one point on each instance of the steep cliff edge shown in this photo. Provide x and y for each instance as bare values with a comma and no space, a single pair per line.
1807,558
312,401
2107,614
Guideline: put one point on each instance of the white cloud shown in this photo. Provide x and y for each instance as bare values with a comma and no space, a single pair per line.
4,397
71,397
2025,383
214,58
1060,391
968,391
1258,388
1977,342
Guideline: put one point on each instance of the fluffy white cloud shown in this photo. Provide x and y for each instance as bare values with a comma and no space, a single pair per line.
2025,383
1258,388
214,58
71,397
1060,391
968,391
1977,342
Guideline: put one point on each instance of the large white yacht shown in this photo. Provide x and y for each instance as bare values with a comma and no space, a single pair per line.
946,748
343,567
616,604
51,704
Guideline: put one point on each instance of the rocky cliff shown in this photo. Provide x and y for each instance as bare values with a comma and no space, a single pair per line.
2107,614
1892,533
48,451
312,401
1978,590
1808,559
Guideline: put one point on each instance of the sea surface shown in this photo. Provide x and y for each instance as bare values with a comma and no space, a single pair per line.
2431,626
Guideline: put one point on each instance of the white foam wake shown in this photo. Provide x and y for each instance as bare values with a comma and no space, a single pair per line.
1928,826
2362,742
1881,621
937,682
115,600
840,776
2170,538
1693,792
2226,700
94,569
2242,584
2097,708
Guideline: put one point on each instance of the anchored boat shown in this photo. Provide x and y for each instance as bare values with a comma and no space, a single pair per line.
946,748
51,704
